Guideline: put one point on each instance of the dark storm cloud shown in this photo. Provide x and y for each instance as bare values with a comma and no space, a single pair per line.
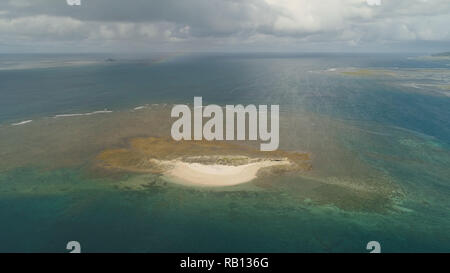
199,24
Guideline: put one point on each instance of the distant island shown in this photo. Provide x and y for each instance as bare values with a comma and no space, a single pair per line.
442,54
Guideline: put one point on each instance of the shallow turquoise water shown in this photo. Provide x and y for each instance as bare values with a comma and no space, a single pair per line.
399,131
171,219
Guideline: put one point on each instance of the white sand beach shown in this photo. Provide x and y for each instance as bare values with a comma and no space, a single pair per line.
216,175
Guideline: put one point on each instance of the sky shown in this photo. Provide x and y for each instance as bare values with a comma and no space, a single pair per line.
224,26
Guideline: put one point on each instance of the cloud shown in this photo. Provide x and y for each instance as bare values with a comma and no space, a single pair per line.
374,2
225,24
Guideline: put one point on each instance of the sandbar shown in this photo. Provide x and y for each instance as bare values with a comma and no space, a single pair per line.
216,175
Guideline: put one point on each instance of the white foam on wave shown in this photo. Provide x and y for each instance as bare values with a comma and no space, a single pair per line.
83,114
21,123
147,106
141,107
24,65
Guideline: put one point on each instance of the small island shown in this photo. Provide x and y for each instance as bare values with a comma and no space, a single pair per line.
201,163
435,57
442,54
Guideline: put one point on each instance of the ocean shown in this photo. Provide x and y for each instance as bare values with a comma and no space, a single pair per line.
377,127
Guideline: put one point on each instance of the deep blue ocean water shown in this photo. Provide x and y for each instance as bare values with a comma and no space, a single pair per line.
405,119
